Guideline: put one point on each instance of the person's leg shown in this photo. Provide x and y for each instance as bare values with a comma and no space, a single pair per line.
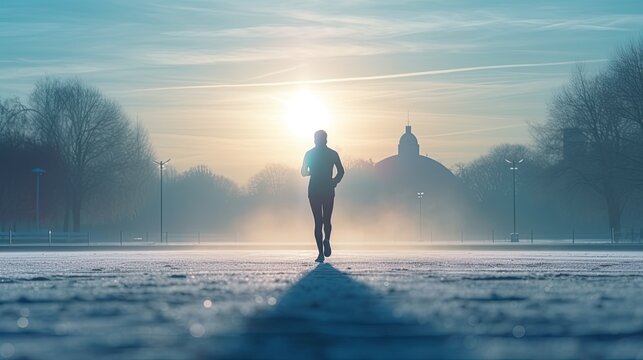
327,211
316,207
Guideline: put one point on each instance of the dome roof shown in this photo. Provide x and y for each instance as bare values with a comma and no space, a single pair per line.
421,173
408,146
408,137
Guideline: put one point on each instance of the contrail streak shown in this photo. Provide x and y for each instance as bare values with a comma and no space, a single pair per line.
278,72
365,78
475,131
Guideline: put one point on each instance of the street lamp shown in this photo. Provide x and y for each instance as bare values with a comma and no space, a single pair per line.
38,171
161,165
420,196
514,168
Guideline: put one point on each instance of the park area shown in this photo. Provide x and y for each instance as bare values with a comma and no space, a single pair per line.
275,304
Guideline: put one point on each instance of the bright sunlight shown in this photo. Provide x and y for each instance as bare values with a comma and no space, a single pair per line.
306,113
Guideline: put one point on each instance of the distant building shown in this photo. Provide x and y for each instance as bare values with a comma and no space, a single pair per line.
407,173
413,172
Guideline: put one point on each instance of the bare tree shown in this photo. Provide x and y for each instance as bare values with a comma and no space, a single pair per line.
201,199
587,103
488,177
625,81
103,154
125,173
626,72
19,154
13,118
274,181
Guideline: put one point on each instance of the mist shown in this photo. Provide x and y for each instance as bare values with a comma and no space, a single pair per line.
581,176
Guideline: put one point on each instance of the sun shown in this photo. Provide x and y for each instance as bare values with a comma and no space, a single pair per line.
305,113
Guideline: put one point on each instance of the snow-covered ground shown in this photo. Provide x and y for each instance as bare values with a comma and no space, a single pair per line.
279,304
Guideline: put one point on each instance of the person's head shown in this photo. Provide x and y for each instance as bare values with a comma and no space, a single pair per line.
321,138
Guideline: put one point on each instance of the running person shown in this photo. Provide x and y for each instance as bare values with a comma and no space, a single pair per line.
318,164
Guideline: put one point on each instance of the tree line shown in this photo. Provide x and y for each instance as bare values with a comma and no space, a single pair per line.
585,168
96,159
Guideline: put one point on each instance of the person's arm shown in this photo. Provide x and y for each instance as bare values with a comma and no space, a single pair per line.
340,171
305,170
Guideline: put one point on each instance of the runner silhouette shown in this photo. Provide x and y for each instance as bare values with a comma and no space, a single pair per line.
318,164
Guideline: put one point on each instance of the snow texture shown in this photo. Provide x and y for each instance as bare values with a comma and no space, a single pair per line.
279,304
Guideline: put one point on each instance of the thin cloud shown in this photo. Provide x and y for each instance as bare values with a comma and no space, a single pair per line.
277,72
474,131
365,78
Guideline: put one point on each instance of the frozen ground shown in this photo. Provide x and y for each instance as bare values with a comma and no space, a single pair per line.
278,304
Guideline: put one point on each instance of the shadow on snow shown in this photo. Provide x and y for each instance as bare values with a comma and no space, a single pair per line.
329,315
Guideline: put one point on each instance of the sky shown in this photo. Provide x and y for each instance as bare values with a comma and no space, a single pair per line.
236,85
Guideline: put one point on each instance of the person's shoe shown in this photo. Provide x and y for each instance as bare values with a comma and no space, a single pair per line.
327,250
320,258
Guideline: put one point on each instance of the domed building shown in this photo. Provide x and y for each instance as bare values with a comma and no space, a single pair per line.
408,170
406,174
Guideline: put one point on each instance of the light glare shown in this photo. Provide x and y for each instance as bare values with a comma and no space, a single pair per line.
306,113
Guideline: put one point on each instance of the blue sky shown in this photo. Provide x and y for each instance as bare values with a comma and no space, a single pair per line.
160,60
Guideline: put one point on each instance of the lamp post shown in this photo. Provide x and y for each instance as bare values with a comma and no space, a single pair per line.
161,165
38,171
420,196
514,168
